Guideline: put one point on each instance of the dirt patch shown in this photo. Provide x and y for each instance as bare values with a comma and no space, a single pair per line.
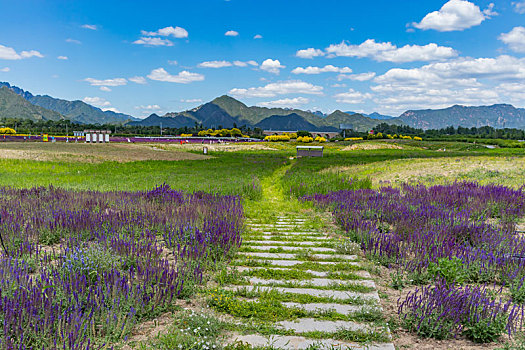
367,146
219,147
92,153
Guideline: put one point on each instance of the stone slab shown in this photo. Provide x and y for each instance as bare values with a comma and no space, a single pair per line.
302,343
314,292
303,325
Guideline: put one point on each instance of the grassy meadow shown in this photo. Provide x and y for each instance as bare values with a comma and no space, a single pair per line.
271,182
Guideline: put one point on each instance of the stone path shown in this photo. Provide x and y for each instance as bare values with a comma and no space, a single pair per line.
332,289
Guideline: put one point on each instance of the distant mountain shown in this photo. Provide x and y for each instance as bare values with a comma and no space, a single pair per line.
13,105
498,116
289,122
374,115
227,112
77,111
354,121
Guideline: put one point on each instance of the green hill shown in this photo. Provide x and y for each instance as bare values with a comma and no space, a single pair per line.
13,105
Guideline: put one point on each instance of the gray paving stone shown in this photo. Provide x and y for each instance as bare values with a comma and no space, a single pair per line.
263,255
279,242
317,282
303,325
315,273
340,308
314,292
285,247
288,263
301,343
314,239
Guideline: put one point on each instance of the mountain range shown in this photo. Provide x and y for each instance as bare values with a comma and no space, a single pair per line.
42,106
227,112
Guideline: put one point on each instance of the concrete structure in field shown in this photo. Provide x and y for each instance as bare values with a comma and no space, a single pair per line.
325,134
97,136
309,151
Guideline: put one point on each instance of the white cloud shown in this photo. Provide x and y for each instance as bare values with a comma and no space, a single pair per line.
90,26
5,69
173,62
258,36
358,77
153,41
285,102
515,39
96,101
111,109
8,53
138,80
240,63
231,33
191,100
62,58
467,81
215,64
338,85
455,15
149,107
252,63
73,41
317,70
105,89
272,66
183,77
176,32
309,53
519,7
279,88
106,82
352,97
386,51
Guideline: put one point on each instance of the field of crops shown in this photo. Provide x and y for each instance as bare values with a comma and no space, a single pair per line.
185,253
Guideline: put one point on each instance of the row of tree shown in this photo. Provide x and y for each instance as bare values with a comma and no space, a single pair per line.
484,132
63,127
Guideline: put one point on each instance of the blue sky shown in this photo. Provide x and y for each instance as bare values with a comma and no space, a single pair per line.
141,57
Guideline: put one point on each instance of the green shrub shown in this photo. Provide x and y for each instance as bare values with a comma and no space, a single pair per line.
451,270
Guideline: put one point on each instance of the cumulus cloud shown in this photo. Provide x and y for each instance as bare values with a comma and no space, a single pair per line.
63,58
285,102
468,81
73,41
149,107
309,53
352,97
138,80
176,32
96,101
455,15
317,70
279,88
153,41
519,7
258,36
386,51
90,26
515,39
8,53
191,100
215,64
231,33
105,89
107,82
272,66
183,77
358,77
5,69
